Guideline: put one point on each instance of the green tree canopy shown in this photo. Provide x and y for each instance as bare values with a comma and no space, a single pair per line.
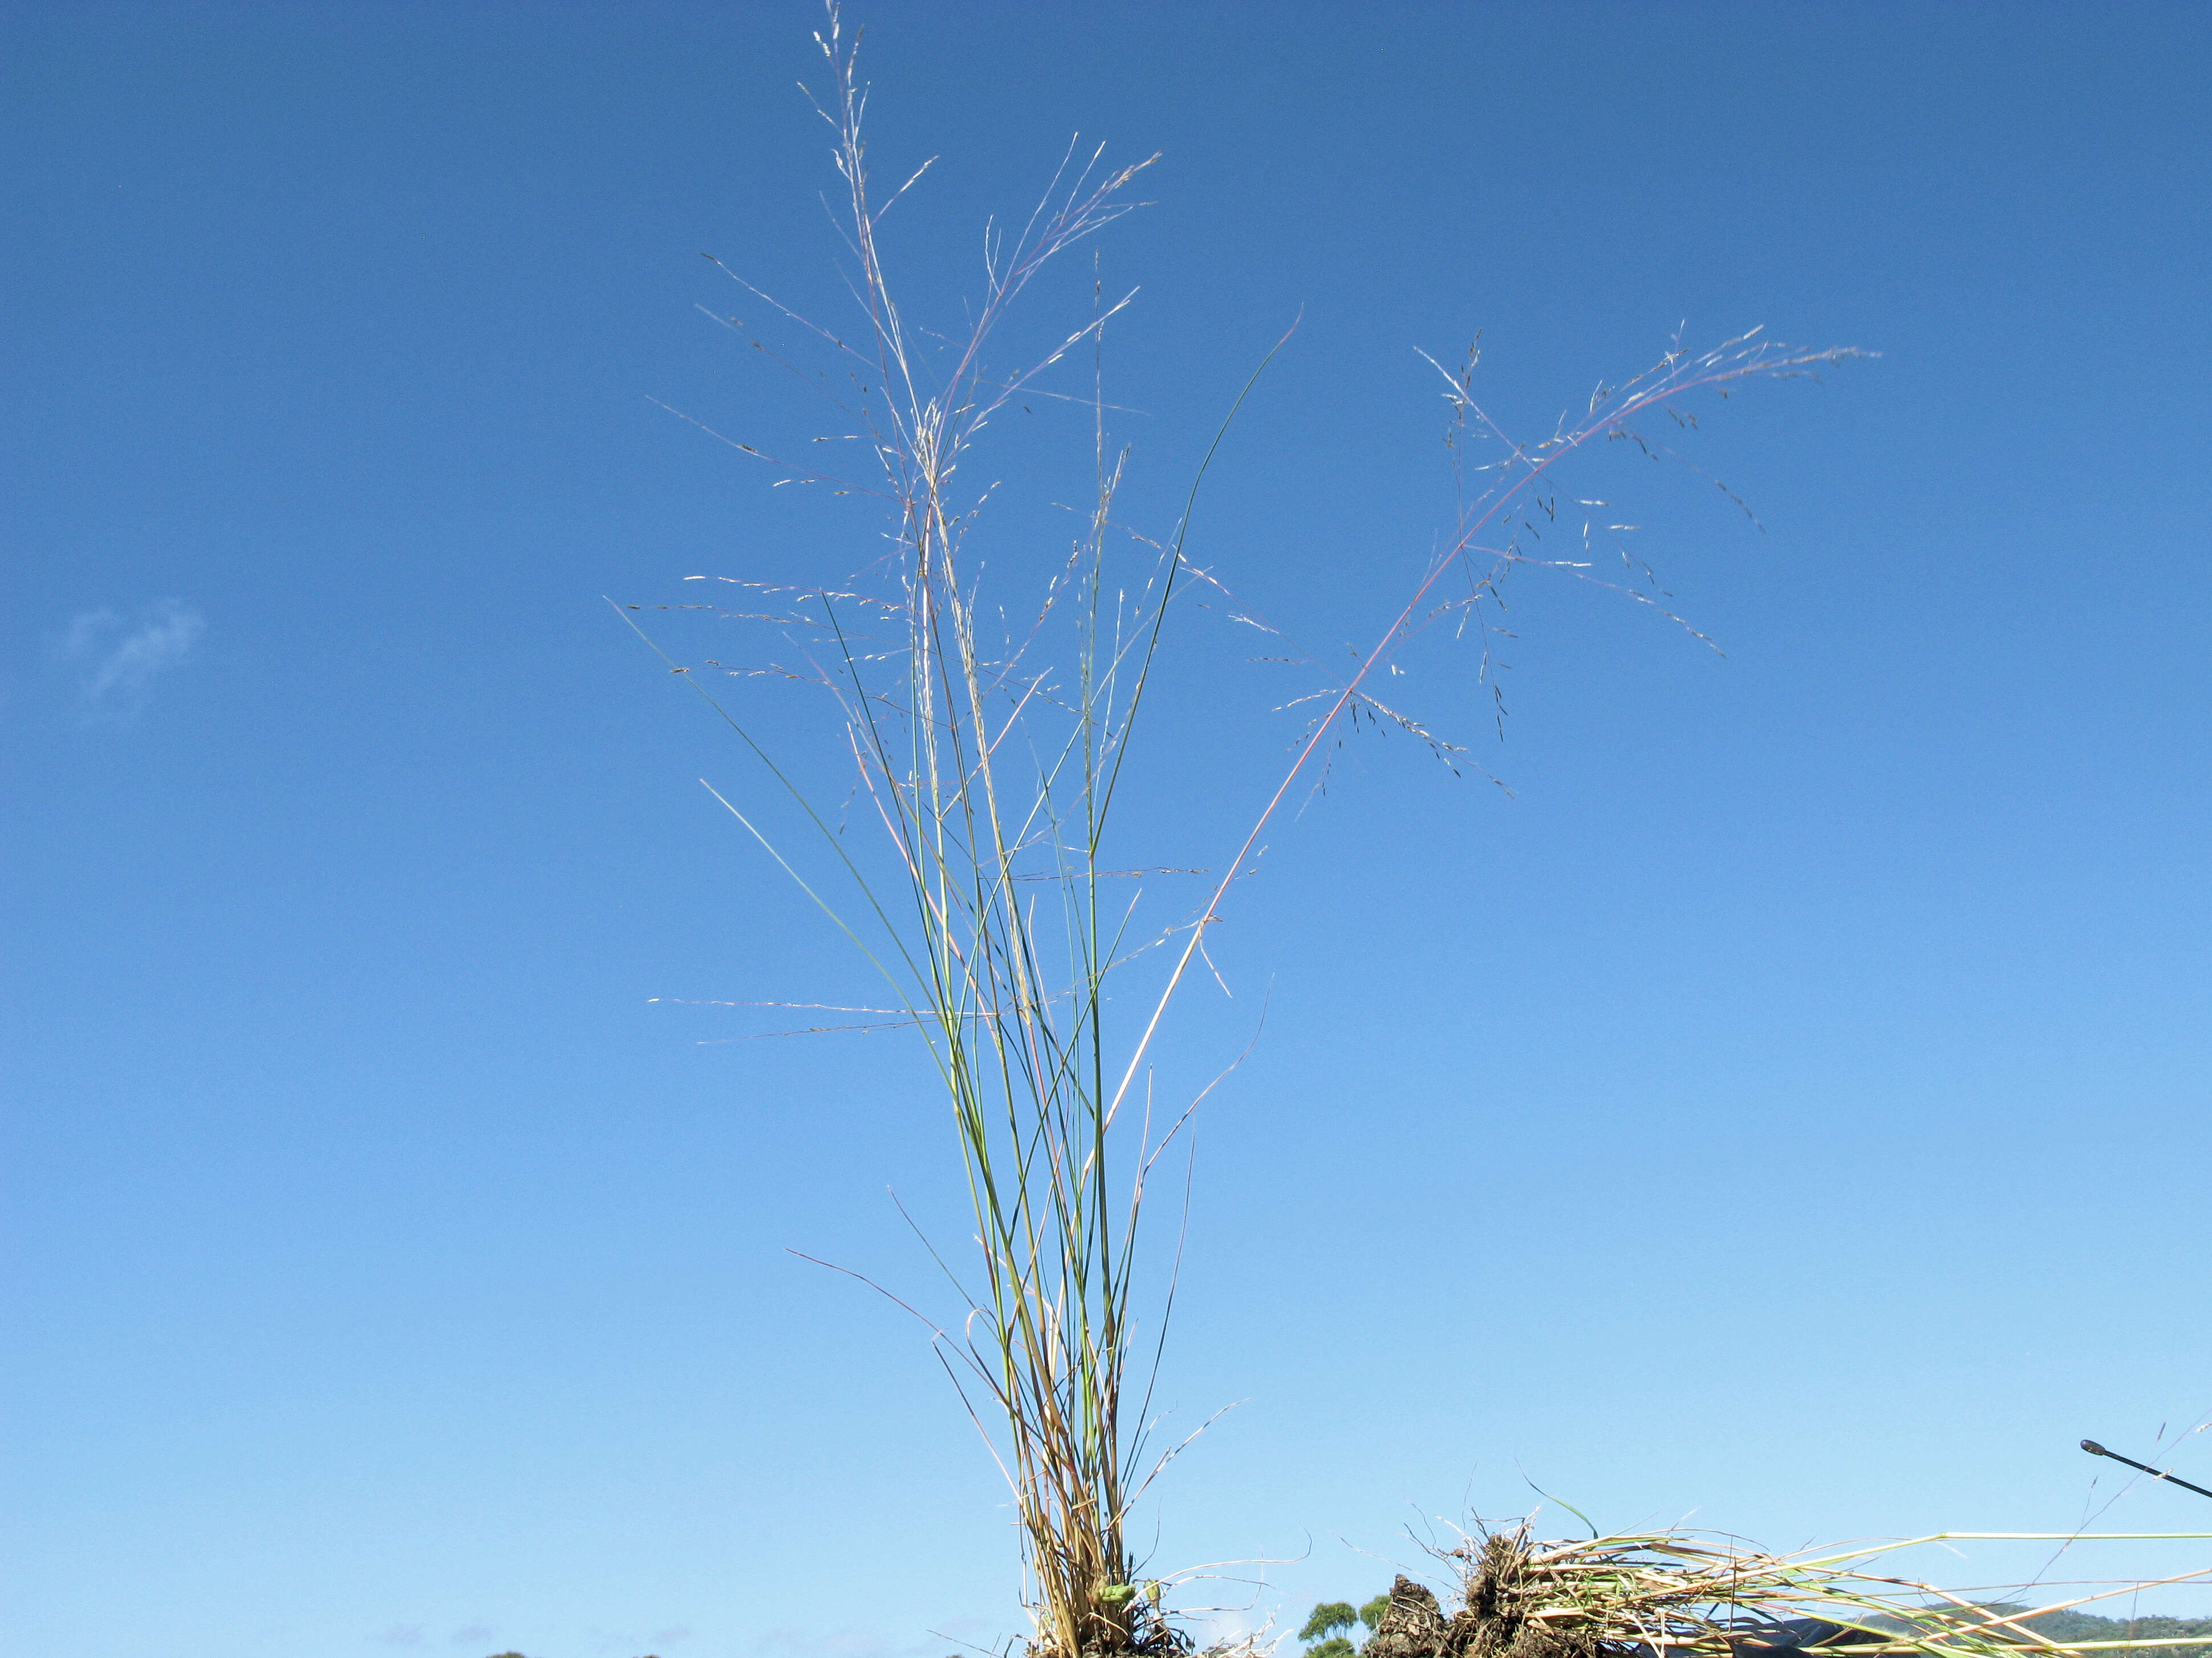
1328,1618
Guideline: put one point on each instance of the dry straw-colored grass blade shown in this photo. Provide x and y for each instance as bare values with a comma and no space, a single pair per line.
1660,1594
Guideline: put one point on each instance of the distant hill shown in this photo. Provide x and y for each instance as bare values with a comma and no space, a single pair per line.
2090,1626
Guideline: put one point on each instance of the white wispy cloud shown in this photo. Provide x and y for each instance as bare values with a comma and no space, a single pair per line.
119,658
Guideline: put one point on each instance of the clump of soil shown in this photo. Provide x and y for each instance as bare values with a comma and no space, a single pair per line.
1503,1591
1611,1597
1412,1626
1495,1621
1149,1635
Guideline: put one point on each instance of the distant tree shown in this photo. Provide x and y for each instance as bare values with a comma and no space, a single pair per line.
1322,1625
1330,1616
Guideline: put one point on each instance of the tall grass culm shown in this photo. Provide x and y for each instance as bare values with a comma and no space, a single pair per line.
995,907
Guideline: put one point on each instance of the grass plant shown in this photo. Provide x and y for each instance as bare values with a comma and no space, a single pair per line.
994,909
1675,1592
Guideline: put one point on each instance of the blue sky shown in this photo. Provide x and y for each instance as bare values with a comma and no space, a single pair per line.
1787,1109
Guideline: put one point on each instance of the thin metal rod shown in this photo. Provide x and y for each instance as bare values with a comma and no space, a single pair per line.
2095,1450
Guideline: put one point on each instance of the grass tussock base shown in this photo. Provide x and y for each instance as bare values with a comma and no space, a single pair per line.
1672,1594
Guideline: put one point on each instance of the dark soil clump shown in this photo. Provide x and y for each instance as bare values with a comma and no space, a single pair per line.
1412,1626
1502,1591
